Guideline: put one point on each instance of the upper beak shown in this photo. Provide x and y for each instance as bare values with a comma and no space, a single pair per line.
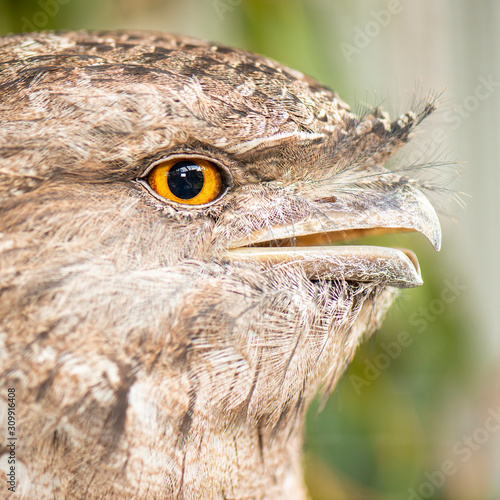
308,243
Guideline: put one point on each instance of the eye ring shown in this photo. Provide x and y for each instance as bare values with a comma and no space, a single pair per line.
186,180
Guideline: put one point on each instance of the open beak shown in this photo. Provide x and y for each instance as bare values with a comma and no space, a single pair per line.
310,244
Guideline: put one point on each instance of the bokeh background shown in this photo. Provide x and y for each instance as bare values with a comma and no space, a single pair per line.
417,415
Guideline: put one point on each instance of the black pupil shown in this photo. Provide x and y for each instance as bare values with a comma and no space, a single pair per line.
185,180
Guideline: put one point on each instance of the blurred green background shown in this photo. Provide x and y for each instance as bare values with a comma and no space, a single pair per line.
410,417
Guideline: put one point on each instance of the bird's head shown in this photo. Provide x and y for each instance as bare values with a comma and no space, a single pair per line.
175,221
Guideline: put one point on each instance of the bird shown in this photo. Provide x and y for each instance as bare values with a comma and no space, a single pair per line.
180,261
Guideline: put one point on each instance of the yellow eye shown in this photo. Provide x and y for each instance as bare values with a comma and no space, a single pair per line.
190,182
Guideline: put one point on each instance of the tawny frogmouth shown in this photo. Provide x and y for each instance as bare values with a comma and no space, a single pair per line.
176,279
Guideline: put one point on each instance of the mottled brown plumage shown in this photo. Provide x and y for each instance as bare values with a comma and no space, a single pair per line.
153,352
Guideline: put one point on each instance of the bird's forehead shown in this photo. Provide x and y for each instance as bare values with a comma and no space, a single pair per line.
240,100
